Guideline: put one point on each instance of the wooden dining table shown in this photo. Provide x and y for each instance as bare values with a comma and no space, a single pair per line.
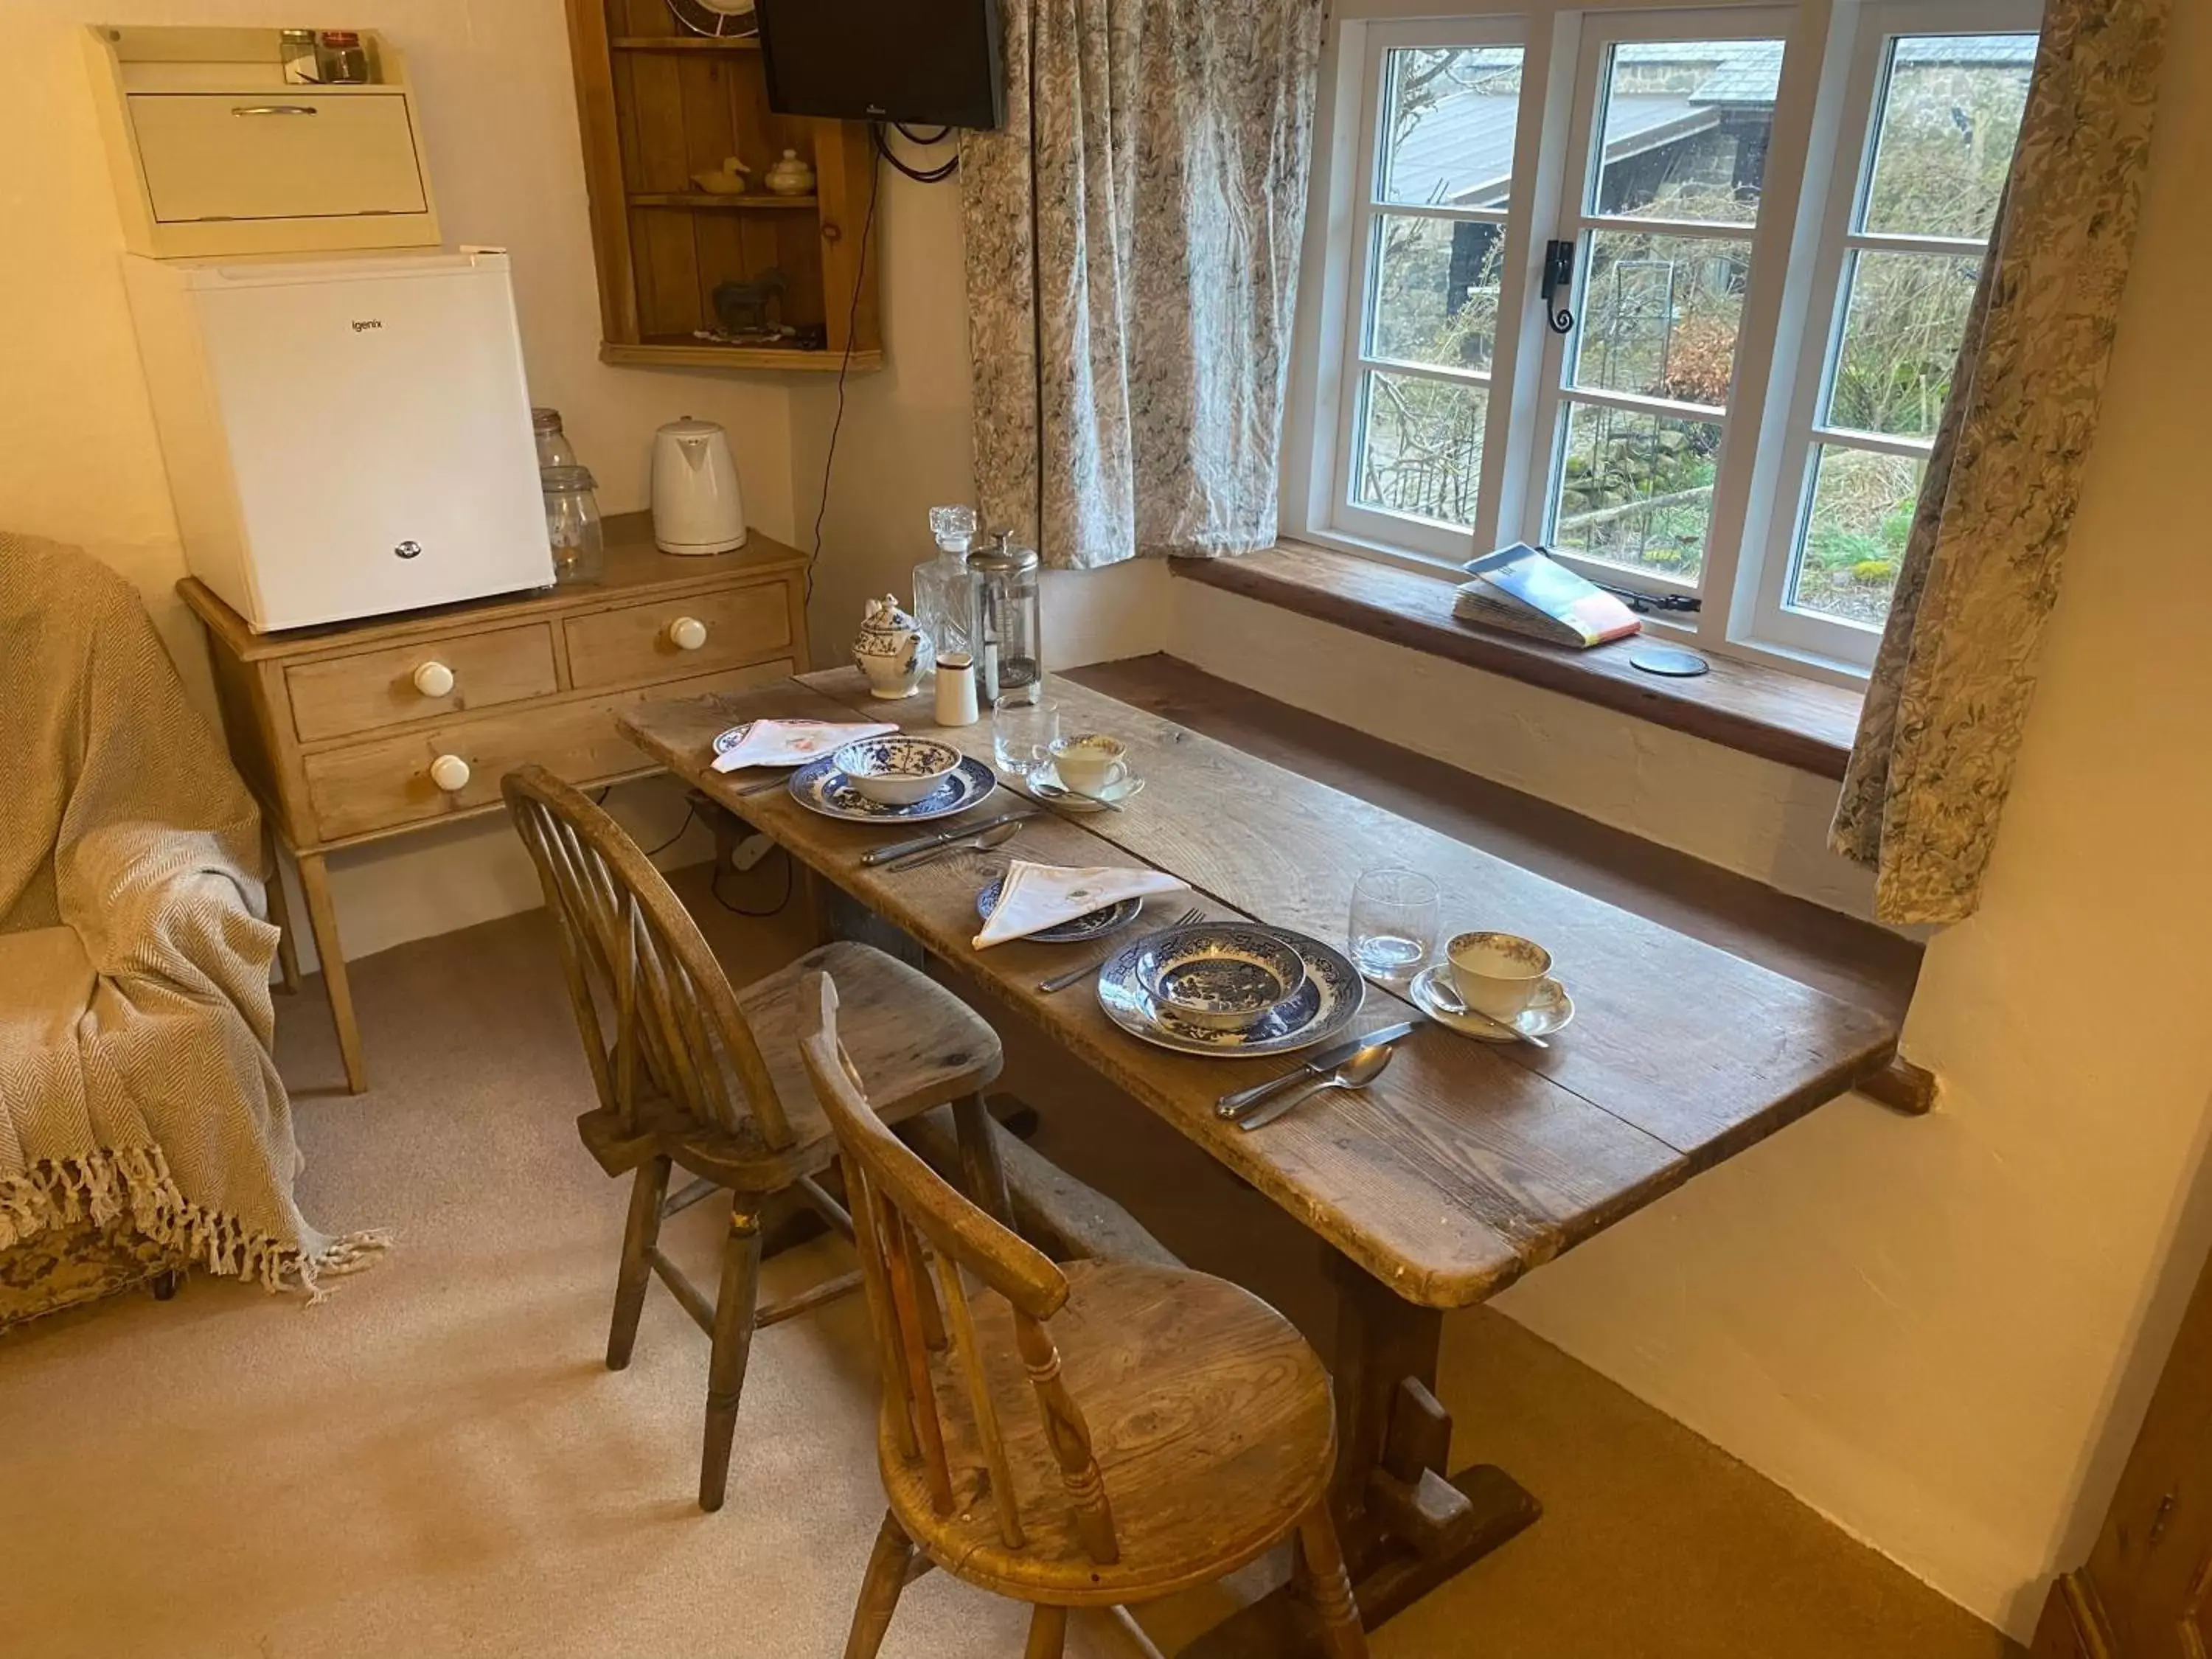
1463,1167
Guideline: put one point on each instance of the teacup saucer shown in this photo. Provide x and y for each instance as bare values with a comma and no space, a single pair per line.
1432,994
1059,794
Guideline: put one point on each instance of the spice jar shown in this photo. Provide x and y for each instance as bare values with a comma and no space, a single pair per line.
572,524
1010,646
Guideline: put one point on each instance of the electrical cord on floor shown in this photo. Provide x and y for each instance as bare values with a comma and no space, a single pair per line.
845,366
715,887
689,813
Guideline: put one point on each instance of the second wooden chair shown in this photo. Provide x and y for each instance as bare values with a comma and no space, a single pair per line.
693,1075
1181,1427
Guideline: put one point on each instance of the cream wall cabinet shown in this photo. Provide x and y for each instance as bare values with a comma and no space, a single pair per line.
214,153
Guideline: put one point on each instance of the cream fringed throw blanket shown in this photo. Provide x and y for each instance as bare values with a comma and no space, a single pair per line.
136,1026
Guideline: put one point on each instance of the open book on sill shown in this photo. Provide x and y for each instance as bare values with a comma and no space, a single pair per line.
1522,590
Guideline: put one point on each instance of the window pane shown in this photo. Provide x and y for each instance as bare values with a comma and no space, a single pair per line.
1636,489
1448,129
1686,126
1950,114
1660,315
1854,535
1903,321
1436,287
1420,446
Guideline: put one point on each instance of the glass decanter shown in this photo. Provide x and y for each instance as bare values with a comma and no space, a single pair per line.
945,588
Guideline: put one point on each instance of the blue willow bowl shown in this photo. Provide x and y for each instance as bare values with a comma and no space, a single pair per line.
1220,976
894,769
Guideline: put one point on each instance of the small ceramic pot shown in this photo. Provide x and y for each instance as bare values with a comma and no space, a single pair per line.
789,175
888,649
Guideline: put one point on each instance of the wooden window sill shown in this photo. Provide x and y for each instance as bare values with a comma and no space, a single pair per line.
1806,724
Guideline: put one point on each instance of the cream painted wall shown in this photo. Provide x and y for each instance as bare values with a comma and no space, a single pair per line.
904,448
79,459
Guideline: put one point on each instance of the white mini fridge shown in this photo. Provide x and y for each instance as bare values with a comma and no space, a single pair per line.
346,435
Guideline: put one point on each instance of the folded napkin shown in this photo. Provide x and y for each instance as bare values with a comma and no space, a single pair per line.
792,743
1039,896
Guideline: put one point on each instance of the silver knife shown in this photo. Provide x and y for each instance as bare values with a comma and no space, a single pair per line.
899,849
1234,1106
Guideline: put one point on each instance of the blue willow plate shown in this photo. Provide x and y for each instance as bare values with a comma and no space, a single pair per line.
1095,924
1323,1006
819,787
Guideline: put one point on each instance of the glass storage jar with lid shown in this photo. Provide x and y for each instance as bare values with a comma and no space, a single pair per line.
572,524
1010,632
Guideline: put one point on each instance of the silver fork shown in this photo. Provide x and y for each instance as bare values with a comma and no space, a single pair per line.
1061,981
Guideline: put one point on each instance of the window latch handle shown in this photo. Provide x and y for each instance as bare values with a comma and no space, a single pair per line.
1559,283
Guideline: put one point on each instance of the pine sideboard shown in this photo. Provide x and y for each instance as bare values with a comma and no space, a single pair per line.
359,732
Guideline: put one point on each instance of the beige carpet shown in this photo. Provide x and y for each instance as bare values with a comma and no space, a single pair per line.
437,1463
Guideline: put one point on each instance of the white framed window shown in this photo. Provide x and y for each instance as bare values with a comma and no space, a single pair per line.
1411,452
1777,215
1924,134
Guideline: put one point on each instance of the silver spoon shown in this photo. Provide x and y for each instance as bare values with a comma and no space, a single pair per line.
1061,791
997,835
1448,995
1362,1069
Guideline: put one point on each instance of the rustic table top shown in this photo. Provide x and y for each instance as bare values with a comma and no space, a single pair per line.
1467,1164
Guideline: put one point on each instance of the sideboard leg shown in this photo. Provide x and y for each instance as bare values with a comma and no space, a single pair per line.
323,917
280,910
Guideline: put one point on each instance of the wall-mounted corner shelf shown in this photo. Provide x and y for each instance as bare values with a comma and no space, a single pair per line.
704,354
655,106
708,198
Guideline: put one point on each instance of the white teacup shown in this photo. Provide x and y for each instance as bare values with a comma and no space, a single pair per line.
1091,762
1497,974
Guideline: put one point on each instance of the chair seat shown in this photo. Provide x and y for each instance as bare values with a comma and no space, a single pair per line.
1210,1417
916,1043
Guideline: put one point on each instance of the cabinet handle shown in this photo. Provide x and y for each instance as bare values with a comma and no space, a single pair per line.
687,633
450,773
274,109
433,679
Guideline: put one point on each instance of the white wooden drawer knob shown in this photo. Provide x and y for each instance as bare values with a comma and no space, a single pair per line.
687,633
450,773
433,679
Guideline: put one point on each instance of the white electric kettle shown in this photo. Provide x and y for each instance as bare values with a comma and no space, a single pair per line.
696,505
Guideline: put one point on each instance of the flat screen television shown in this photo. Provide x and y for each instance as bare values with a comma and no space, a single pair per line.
926,63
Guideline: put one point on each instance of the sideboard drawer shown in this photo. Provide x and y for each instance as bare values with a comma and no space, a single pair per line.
341,695
387,782
639,643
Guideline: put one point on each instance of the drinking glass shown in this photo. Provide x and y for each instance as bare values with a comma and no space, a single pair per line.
1023,734
1394,923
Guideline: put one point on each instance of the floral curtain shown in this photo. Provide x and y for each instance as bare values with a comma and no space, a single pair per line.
1956,670
1133,244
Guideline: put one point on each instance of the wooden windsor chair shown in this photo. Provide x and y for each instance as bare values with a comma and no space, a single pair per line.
695,1076
1181,1427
